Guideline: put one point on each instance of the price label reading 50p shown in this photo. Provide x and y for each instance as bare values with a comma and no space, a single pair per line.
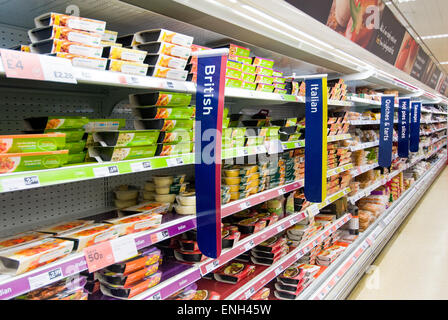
99,256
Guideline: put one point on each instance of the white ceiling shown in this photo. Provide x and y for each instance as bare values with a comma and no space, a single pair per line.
428,17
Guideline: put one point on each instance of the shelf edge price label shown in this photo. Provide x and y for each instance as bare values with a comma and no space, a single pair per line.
212,266
278,271
174,162
123,248
249,293
249,245
140,166
20,183
45,278
281,191
157,296
245,205
280,228
106,171
99,256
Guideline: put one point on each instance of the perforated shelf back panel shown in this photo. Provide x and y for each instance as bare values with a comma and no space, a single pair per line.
12,36
28,209
15,107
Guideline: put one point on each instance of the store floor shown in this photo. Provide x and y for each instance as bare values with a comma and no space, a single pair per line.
413,265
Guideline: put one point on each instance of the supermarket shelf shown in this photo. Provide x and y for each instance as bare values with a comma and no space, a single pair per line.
366,192
301,143
339,278
242,204
364,122
435,151
362,169
242,152
434,131
21,180
258,282
365,145
363,102
75,263
167,288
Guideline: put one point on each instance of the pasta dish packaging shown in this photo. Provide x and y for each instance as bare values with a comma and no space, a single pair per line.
73,22
21,239
33,255
65,226
90,235
149,208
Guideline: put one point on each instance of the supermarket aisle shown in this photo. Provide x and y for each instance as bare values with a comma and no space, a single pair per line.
413,263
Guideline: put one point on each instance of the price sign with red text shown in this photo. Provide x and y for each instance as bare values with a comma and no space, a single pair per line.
99,256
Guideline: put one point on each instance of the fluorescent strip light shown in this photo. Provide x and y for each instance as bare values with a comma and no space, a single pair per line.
436,36
445,62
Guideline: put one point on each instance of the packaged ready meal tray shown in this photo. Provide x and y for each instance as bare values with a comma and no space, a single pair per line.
176,113
21,239
164,124
119,279
160,99
123,153
119,53
128,67
71,135
55,46
84,62
129,291
32,142
167,73
65,226
90,235
64,33
176,136
33,255
95,125
18,162
52,122
74,22
126,138
233,272
146,257
162,35
136,223
164,48
164,61
57,290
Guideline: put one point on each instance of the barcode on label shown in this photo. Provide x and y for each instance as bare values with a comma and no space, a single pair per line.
245,205
105,171
280,228
249,293
140,166
249,245
281,191
45,278
279,270
174,162
157,296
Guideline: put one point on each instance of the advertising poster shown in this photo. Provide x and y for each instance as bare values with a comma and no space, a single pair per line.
420,64
388,38
430,68
434,77
407,54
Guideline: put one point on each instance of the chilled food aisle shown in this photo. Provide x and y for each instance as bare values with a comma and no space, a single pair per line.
413,264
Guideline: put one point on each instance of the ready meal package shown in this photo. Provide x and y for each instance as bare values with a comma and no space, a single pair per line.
119,53
90,235
21,239
164,48
32,142
56,45
233,272
84,62
24,258
136,223
129,291
73,22
119,279
271,245
55,291
160,99
293,276
126,138
165,113
96,125
64,33
30,161
165,61
206,295
122,153
52,122
146,257
189,256
163,35
65,227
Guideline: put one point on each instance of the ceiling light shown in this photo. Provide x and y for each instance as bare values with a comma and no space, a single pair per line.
436,36
444,62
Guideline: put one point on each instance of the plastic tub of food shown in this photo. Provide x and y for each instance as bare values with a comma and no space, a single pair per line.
150,186
171,189
167,198
232,172
162,181
125,192
232,180
121,204
189,256
185,210
149,195
187,199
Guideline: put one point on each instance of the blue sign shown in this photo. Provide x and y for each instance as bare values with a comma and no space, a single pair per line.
208,132
386,131
415,126
403,127
316,117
